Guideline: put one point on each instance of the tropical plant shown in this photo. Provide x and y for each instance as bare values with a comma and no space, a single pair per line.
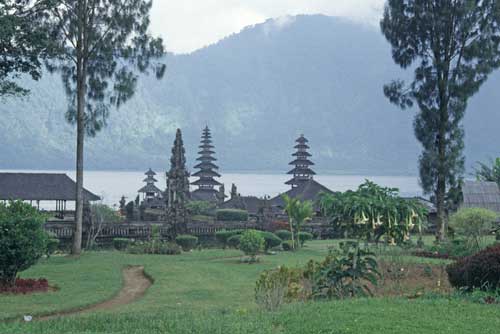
345,273
100,47
373,211
277,286
474,224
452,47
298,212
488,173
201,208
22,240
303,237
252,243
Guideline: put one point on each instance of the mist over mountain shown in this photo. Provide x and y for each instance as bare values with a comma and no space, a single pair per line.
257,90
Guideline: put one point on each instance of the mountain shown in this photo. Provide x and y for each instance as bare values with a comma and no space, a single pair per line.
257,90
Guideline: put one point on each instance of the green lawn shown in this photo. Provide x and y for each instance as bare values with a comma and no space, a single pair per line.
210,291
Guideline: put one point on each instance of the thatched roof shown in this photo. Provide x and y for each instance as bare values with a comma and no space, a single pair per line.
149,188
208,195
479,194
251,204
40,187
305,191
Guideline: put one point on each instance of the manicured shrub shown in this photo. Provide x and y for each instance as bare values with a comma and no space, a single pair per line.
478,271
304,236
201,208
287,245
271,240
234,241
231,215
154,247
284,234
22,240
121,244
223,236
186,241
251,243
52,246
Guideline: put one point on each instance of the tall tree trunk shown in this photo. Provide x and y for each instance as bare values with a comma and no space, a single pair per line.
441,175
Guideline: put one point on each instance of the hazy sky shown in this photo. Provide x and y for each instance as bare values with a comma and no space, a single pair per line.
187,25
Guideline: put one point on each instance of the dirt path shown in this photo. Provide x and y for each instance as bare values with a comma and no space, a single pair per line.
135,284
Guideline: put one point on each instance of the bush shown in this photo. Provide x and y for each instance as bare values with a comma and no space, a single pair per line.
231,215
234,241
344,273
121,244
270,240
478,271
304,236
473,224
22,240
201,208
284,234
52,246
277,286
186,241
154,247
287,245
223,236
251,243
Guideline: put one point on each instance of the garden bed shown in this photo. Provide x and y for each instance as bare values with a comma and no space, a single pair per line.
27,286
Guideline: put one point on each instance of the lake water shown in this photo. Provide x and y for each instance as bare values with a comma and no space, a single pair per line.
111,185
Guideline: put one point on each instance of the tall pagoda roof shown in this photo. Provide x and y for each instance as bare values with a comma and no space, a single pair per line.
149,188
302,162
302,154
206,173
305,191
150,179
302,147
150,172
302,171
302,139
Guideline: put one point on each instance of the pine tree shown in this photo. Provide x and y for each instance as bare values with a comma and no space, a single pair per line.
102,45
453,45
23,41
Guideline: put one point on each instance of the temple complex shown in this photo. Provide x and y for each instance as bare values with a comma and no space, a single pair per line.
207,172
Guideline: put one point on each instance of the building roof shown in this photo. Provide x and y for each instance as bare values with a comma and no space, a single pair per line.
305,191
480,194
40,187
149,188
209,195
206,173
150,172
251,204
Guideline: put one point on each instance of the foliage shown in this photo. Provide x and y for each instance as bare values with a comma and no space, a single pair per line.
201,208
277,286
22,239
304,236
52,246
373,211
24,286
121,244
344,273
100,214
452,46
271,240
23,41
231,215
298,212
234,241
478,271
251,243
154,247
474,224
449,249
187,242
284,234
489,173
223,236
287,245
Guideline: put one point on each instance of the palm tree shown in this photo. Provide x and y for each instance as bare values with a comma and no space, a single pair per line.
298,212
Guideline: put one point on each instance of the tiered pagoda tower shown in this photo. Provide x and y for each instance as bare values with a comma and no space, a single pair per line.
206,173
302,171
150,190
